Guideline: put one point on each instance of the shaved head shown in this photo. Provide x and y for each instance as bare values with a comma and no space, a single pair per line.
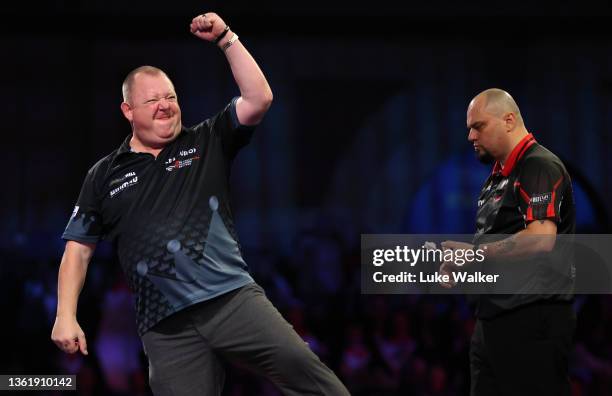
126,88
498,102
495,125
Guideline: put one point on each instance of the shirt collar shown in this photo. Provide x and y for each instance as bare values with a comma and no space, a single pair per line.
126,148
515,155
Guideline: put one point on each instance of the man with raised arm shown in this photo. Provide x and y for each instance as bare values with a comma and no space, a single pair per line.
162,199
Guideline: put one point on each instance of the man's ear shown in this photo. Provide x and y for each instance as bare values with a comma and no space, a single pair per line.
509,121
126,109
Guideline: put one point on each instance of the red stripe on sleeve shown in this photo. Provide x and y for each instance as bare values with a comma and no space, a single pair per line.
525,196
550,209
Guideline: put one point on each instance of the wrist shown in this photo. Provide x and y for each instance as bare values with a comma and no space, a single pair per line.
223,34
65,315
227,35
228,41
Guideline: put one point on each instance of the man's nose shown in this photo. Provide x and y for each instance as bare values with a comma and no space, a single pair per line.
472,135
163,103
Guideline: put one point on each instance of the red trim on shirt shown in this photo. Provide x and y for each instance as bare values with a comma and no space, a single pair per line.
515,155
550,209
524,195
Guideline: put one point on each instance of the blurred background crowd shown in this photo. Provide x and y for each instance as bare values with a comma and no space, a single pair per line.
378,344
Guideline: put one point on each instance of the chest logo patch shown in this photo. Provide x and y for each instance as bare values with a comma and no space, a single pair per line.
128,180
185,158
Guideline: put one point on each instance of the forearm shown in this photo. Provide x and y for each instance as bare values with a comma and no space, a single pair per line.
524,243
255,92
71,278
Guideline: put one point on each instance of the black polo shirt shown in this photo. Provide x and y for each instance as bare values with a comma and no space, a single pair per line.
533,185
169,217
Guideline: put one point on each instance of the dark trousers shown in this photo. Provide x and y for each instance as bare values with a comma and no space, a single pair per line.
523,352
242,326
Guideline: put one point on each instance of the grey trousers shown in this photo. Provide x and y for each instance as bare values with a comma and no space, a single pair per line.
243,327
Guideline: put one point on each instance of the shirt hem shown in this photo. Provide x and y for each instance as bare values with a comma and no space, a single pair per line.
207,297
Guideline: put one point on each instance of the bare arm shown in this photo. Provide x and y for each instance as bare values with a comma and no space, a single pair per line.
255,93
66,333
538,237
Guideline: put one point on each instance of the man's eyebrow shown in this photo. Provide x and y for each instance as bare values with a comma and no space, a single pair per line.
475,124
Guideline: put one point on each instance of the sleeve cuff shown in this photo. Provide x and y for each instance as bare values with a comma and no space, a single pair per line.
530,218
81,238
234,116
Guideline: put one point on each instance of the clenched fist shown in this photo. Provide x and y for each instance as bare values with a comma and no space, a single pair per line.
68,336
207,26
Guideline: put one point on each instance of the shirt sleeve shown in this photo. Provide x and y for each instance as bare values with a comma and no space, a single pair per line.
85,223
227,127
540,185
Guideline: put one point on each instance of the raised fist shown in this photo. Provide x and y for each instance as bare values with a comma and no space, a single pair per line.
207,26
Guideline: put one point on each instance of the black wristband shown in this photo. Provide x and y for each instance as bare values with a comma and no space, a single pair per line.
227,28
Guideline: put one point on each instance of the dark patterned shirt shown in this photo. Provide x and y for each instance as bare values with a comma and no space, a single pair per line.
169,218
533,185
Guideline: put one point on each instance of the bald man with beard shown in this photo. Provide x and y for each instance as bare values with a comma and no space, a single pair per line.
522,341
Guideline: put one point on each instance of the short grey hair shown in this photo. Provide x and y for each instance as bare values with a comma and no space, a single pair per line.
128,82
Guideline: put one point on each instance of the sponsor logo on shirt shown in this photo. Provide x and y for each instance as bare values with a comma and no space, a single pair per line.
128,180
122,178
175,163
541,199
502,184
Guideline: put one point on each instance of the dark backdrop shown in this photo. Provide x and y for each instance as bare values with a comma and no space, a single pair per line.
366,134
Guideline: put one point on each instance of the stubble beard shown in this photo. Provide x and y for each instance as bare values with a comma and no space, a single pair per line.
484,157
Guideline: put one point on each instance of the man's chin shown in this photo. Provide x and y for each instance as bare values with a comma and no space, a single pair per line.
169,133
484,157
